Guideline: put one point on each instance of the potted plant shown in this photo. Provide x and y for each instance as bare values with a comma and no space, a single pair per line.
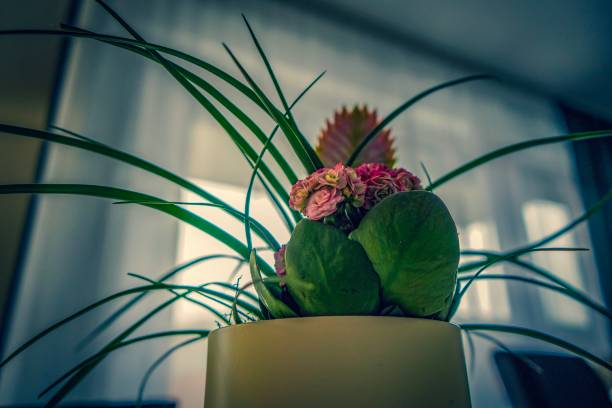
358,308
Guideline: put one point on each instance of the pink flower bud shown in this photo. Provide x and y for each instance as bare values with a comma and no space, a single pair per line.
323,202
279,261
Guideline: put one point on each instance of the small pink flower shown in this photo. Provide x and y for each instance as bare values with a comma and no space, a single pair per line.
355,188
299,194
279,261
334,177
323,202
381,182
405,180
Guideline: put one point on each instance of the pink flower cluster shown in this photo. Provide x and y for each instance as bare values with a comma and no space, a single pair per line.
321,194
381,182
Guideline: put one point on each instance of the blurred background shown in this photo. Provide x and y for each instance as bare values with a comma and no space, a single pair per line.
61,253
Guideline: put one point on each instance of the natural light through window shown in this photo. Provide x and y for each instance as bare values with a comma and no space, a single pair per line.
187,374
486,298
543,217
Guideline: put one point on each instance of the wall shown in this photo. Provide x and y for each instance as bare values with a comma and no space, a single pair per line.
27,77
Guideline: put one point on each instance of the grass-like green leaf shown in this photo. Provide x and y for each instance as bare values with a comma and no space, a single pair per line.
400,109
472,349
127,195
232,286
276,307
170,274
515,148
539,336
458,296
233,133
243,217
587,214
247,201
529,362
204,294
267,144
307,155
219,97
215,296
577,296
87,309
305,152
96,358
187,298
572,290
105,150
177,74
111,39
159,361
82,372
235,313
266,62
236,137
488,254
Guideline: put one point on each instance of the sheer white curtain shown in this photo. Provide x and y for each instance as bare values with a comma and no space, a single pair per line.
83,248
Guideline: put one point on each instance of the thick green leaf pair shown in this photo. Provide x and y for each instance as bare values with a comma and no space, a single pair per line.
405,252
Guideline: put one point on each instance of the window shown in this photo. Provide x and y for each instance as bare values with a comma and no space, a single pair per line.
486,299
543,217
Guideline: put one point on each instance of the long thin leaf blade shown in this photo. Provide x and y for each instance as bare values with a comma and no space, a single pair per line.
403,107
193,91
126,195
111,39
540,336
105,150
103,353
84,311
515,148
158,362
170,67
300,145
81,373
266,62
585,301
187,298
529,362
132,302
458,296
219,97
467,267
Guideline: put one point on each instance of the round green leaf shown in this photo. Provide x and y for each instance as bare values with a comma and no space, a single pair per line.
412,242
328,274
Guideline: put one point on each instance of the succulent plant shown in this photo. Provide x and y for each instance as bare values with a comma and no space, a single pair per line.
343,133
411,240
329,274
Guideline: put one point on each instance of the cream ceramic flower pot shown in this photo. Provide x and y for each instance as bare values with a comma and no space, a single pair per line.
337,361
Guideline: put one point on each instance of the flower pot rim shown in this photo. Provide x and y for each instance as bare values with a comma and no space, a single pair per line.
440,323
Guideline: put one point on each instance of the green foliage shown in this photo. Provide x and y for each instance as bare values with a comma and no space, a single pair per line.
534,334
104,150
517,147
403,107
329,274
405,250
411,240
150,201
577,296
277,308
460,291
160,360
